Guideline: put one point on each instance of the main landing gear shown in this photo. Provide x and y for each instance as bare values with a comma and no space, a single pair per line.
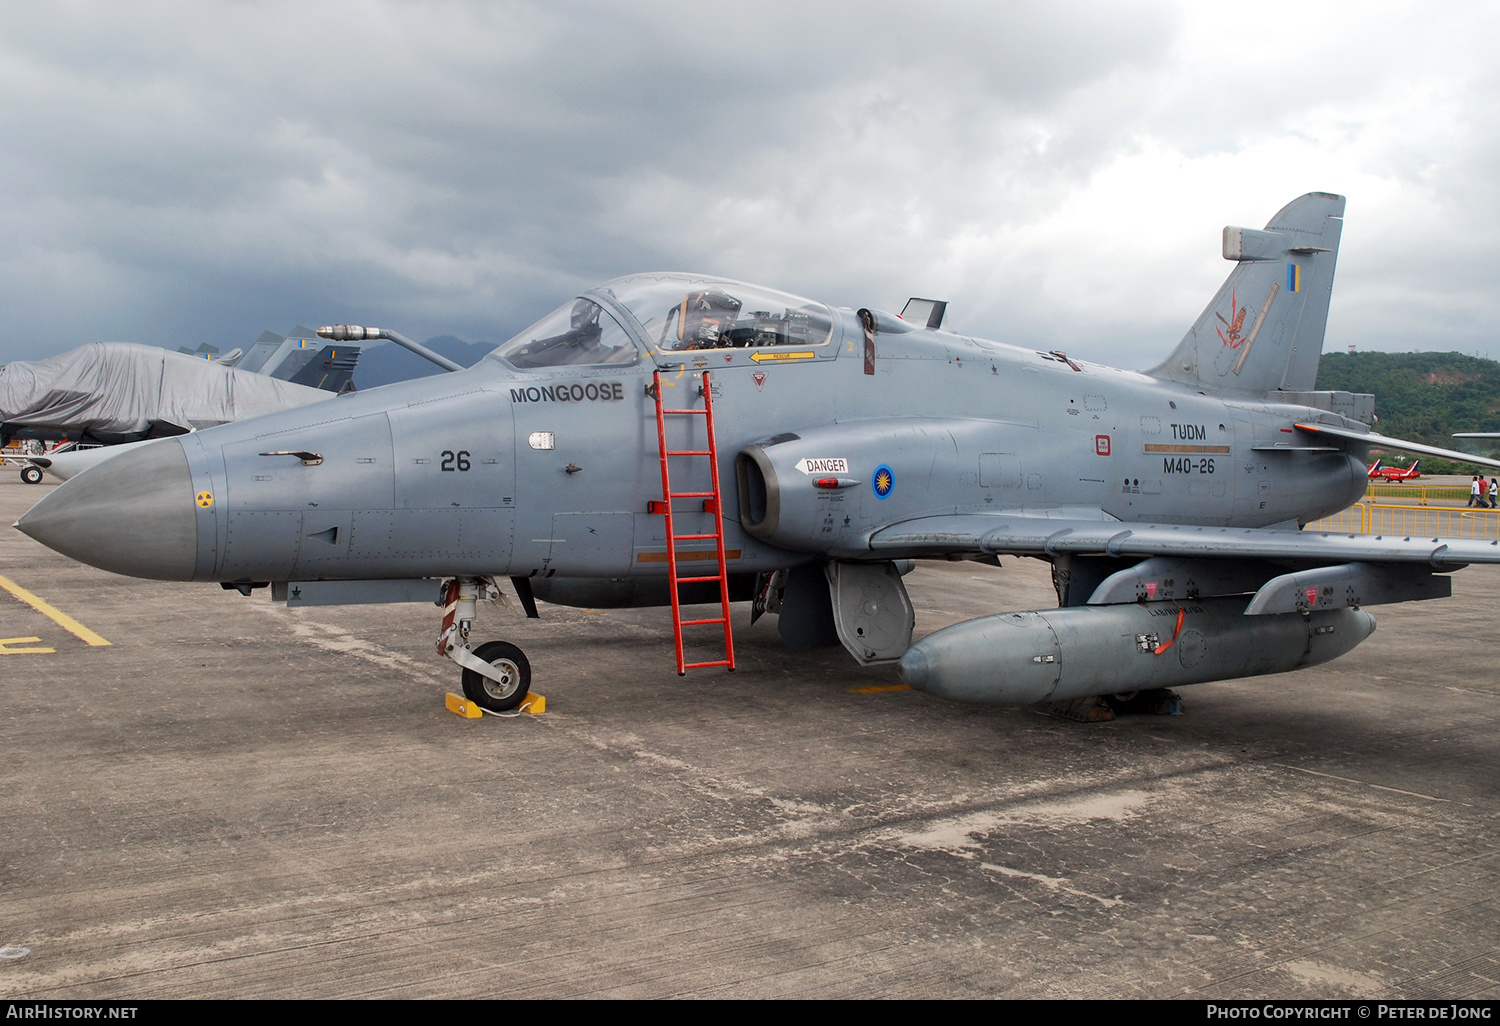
496,675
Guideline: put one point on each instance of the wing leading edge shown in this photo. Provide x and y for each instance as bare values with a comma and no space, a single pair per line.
999,533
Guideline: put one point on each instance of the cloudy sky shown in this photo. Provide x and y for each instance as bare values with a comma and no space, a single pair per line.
1060,171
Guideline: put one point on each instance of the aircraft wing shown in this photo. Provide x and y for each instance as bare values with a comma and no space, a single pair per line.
1038,535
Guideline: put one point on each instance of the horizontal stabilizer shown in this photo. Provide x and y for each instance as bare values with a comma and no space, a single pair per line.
1371,440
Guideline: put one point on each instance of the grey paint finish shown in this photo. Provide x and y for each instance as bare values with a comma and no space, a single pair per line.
871,610
355,593
147,502
1167,578
1018,658
1350,585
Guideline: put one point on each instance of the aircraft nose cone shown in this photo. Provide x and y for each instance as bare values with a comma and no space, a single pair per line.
133,515
913,669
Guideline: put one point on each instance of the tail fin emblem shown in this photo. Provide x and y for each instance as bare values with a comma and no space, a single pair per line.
1235,323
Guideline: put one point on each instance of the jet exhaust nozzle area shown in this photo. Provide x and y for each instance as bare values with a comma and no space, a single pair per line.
1020,658
135,514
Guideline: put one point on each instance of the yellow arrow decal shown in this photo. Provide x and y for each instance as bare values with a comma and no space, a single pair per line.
760,357
5,648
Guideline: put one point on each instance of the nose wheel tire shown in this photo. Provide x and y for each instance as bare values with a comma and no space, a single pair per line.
515,672
31,475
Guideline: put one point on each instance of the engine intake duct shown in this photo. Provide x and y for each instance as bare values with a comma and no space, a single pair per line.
759,492
1020,658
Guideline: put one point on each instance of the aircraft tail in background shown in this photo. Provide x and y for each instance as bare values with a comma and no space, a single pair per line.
1263,332
331,369
299,357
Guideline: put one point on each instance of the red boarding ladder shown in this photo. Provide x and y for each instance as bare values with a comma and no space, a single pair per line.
713,504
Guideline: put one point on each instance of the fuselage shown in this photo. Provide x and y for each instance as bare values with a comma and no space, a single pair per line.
542,471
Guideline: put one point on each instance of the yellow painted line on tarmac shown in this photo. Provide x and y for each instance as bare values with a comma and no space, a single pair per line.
57,616
879,690
5,648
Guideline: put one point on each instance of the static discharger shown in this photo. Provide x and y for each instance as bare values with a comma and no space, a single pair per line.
535,704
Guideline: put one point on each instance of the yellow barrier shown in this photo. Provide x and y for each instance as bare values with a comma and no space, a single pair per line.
1345,521
1432,522
1422,494
1412,521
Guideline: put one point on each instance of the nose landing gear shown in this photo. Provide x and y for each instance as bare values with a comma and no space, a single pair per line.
496,675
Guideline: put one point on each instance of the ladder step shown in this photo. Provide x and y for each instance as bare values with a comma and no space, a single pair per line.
692,537
689,452
696,666
659,506
693,623
691,580
698,412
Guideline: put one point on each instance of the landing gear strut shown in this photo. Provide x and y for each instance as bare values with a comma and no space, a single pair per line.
496,675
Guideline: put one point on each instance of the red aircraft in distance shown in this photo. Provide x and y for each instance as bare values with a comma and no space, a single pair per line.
1394,474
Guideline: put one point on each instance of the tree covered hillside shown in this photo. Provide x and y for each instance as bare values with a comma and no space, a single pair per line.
1424,397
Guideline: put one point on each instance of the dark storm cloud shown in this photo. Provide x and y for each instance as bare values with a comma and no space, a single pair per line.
179,173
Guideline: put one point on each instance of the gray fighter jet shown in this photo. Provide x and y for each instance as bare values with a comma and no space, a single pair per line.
670,438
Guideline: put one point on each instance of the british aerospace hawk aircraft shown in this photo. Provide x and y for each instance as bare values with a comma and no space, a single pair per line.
677,438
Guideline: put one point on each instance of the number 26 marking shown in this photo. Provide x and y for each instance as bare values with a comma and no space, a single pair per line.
461,458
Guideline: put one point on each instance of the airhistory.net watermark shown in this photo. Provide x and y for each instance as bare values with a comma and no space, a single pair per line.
35,1010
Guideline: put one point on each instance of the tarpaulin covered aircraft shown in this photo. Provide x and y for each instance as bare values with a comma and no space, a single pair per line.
109,393
678,436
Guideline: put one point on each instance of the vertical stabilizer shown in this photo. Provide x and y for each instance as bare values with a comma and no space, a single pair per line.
1263,331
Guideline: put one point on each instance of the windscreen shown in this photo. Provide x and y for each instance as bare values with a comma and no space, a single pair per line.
578,334
681,312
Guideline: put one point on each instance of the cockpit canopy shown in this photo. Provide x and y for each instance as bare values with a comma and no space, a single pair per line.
578,334
675,312
685,311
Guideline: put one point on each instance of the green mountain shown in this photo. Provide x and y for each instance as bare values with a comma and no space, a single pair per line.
1424,397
